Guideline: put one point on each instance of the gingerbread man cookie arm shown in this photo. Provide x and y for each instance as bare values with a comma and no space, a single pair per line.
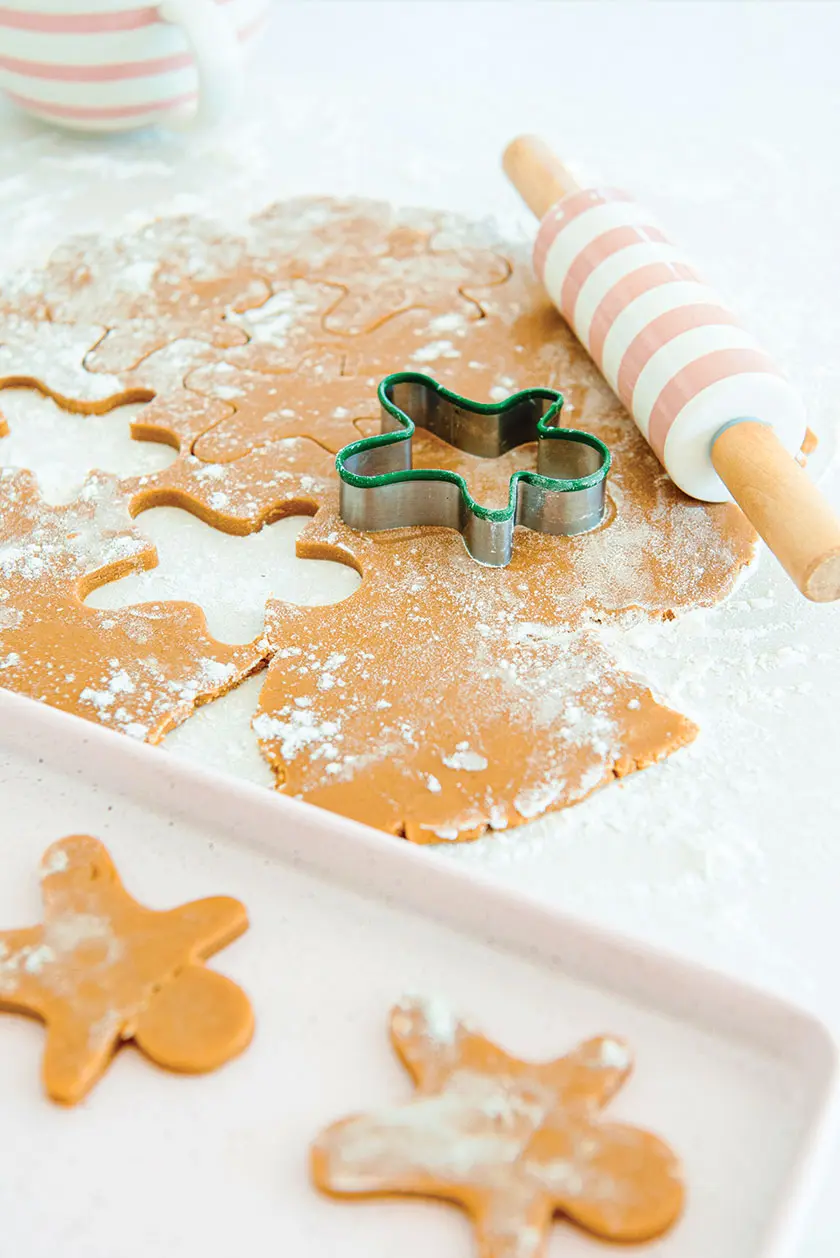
20,951
431,1042
211,923
591,1075
75,1054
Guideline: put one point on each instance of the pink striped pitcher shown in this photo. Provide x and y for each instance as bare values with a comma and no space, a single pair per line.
111,65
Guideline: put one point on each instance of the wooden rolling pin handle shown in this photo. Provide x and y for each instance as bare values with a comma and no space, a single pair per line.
783,505
537,174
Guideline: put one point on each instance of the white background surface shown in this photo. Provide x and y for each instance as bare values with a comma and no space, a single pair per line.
724,118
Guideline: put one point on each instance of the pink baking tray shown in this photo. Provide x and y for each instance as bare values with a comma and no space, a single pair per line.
345,921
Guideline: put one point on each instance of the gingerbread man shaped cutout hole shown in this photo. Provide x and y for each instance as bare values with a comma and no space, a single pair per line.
230,577
103,970
61,447
511,1142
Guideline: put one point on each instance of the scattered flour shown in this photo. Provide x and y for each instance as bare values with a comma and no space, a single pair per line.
56,863
464,758
615,1055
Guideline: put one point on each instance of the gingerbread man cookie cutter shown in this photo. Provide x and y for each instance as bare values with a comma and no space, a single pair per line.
380,490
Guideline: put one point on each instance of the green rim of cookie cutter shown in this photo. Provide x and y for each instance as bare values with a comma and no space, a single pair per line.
380,490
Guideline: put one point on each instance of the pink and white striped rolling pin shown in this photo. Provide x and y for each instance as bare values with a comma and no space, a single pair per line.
713,406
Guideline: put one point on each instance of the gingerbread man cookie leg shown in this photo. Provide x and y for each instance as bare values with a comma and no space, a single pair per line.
103,970
512,1227
220,1022
76,1055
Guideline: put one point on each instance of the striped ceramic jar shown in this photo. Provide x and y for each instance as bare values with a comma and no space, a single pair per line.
105,65
675,355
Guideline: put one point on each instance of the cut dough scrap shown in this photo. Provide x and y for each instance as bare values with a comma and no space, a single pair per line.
141,670
444,699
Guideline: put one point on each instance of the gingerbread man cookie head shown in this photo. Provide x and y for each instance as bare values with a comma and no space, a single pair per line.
102,970
512,1142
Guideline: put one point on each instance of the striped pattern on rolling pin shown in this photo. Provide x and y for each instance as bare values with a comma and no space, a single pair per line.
675,355
103,64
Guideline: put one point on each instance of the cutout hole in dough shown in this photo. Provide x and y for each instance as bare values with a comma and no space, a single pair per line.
60,447
230,577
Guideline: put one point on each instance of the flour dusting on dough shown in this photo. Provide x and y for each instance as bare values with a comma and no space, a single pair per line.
443,700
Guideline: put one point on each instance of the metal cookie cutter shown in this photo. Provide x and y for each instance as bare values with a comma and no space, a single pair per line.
380,490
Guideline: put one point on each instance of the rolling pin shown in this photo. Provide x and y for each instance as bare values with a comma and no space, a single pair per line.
717,412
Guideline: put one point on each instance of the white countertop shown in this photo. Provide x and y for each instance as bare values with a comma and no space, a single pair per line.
725,119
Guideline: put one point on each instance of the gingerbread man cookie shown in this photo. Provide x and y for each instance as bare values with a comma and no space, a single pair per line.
102,970
512,1142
